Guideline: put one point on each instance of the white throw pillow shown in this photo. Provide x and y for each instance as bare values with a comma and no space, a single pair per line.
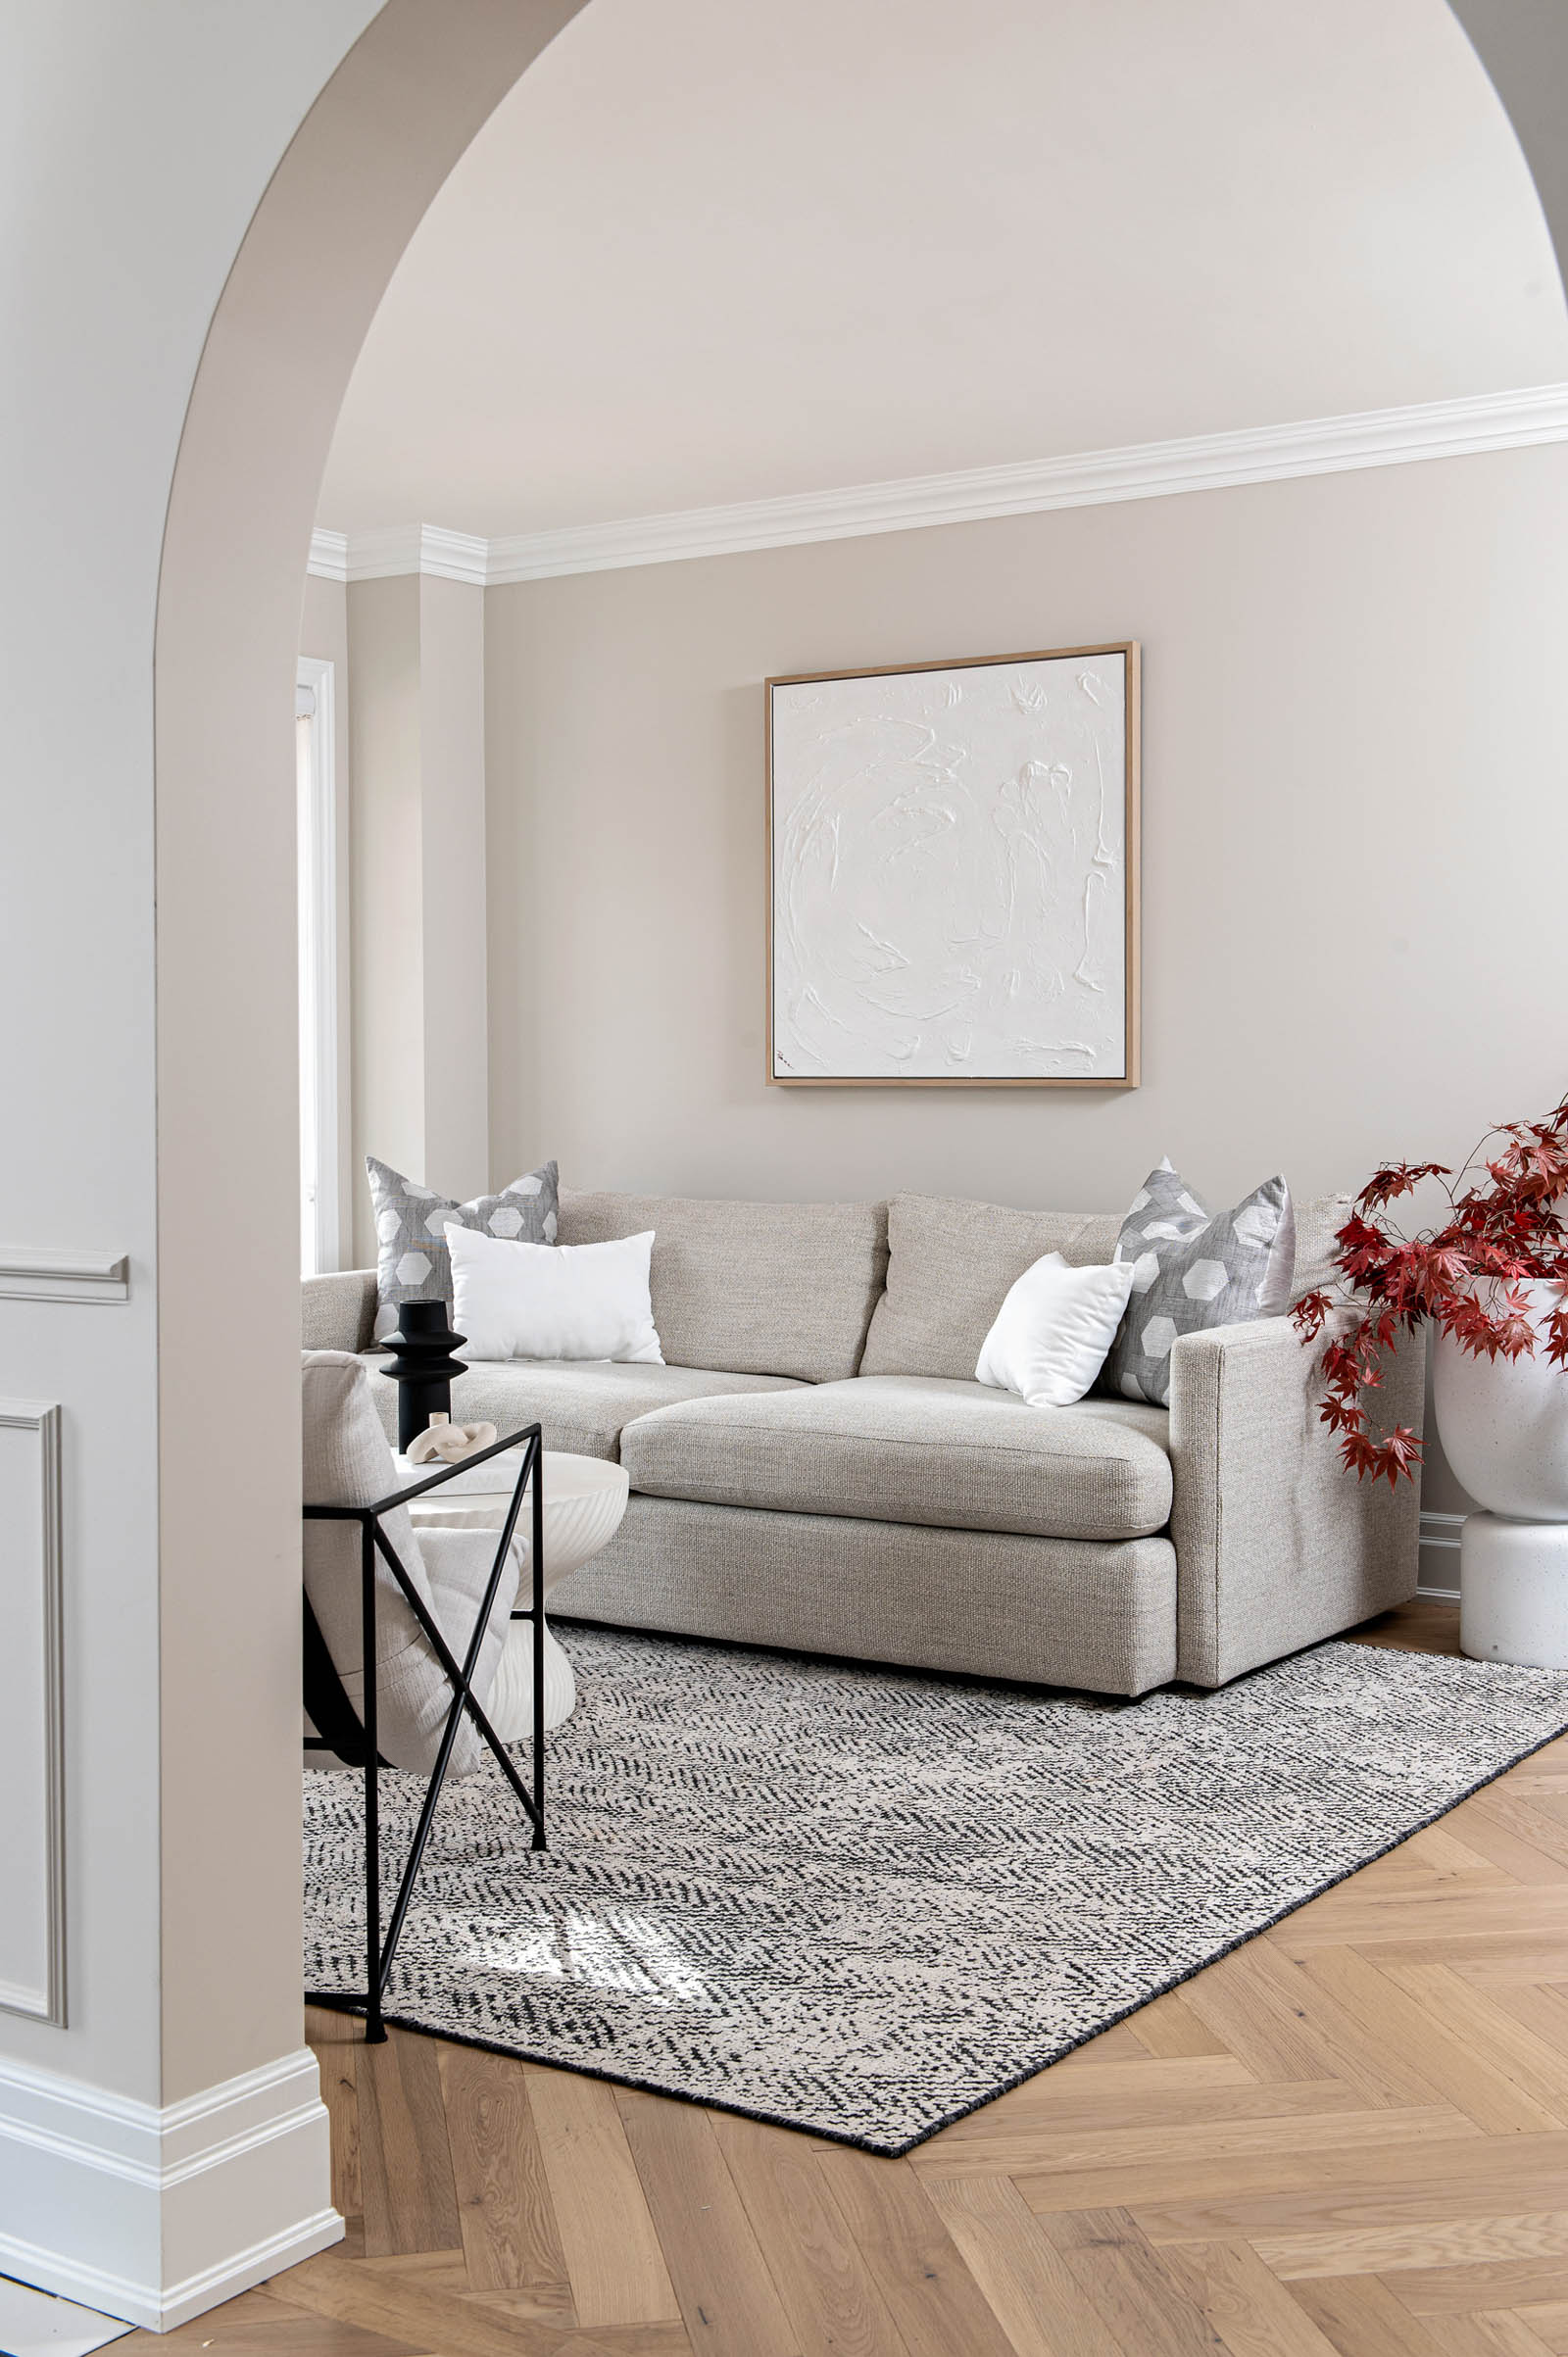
1052,1331
553,1301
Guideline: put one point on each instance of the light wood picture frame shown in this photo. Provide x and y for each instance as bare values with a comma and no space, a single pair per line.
953,854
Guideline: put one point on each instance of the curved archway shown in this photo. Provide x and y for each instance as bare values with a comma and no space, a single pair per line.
336,218
339,211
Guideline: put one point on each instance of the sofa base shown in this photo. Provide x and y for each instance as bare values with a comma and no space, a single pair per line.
1073,1612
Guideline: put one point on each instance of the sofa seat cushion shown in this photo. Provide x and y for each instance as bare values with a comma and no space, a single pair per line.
915,1448
582,1405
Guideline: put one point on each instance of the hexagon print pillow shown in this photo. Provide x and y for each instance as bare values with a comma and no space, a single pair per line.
1194,1268
412,1263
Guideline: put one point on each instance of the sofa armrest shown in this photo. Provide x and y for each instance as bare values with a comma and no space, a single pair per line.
339,1310
1278,1545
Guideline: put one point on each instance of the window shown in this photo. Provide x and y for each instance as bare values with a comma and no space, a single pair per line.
318,874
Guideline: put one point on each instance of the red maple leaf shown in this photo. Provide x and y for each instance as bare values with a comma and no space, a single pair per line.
1503,1232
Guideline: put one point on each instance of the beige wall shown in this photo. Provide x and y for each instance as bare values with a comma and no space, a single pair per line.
1355,833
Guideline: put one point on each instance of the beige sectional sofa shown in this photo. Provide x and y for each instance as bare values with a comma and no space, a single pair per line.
815,1466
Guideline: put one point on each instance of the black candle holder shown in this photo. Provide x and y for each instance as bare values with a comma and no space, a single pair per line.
422,1366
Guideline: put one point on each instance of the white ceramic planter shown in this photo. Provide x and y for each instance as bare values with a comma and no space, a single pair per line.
1505,1425
1504,1429
1513,1591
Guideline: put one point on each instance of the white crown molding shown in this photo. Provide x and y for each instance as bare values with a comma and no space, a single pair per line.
1265,453
330,555
396,550
170,2210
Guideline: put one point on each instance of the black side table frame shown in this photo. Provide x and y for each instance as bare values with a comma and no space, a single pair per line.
343,1731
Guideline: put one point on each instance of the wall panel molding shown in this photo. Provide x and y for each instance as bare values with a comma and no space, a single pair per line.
1391,437
30,1273
32,1753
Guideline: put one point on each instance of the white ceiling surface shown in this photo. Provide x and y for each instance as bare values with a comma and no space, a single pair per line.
716,250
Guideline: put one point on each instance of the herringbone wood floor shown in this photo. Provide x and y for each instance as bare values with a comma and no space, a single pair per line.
1352,2135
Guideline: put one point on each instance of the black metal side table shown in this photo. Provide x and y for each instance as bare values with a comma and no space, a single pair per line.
342,1731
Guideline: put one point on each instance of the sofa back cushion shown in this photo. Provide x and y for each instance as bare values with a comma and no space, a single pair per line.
746,1288
338,1311
951,1265
1316,1251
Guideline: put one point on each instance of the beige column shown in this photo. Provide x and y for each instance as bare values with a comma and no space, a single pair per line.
419,1020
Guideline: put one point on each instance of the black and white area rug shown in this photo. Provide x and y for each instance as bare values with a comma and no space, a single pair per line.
862,1902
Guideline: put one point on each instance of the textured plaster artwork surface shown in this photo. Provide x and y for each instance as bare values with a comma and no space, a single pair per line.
948,854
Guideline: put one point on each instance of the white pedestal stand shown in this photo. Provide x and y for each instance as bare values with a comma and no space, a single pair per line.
1513,1591
585,1499
1504,1426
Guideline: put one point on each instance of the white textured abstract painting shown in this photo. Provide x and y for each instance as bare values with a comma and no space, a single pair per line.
953,872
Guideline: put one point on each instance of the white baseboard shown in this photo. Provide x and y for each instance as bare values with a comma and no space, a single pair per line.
1440,1556
155,2215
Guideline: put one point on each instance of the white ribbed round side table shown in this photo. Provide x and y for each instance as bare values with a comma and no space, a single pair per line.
585,1498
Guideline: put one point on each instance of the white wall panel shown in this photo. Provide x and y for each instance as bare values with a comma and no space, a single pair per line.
32,1933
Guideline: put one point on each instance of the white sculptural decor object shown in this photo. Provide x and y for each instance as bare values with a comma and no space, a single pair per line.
954,854
449,1442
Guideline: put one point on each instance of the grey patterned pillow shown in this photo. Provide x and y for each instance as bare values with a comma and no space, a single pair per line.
1194,1268
412,1263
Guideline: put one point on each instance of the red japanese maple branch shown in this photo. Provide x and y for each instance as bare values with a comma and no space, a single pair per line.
1503,1231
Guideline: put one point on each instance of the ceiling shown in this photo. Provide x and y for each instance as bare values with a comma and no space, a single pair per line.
712,250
